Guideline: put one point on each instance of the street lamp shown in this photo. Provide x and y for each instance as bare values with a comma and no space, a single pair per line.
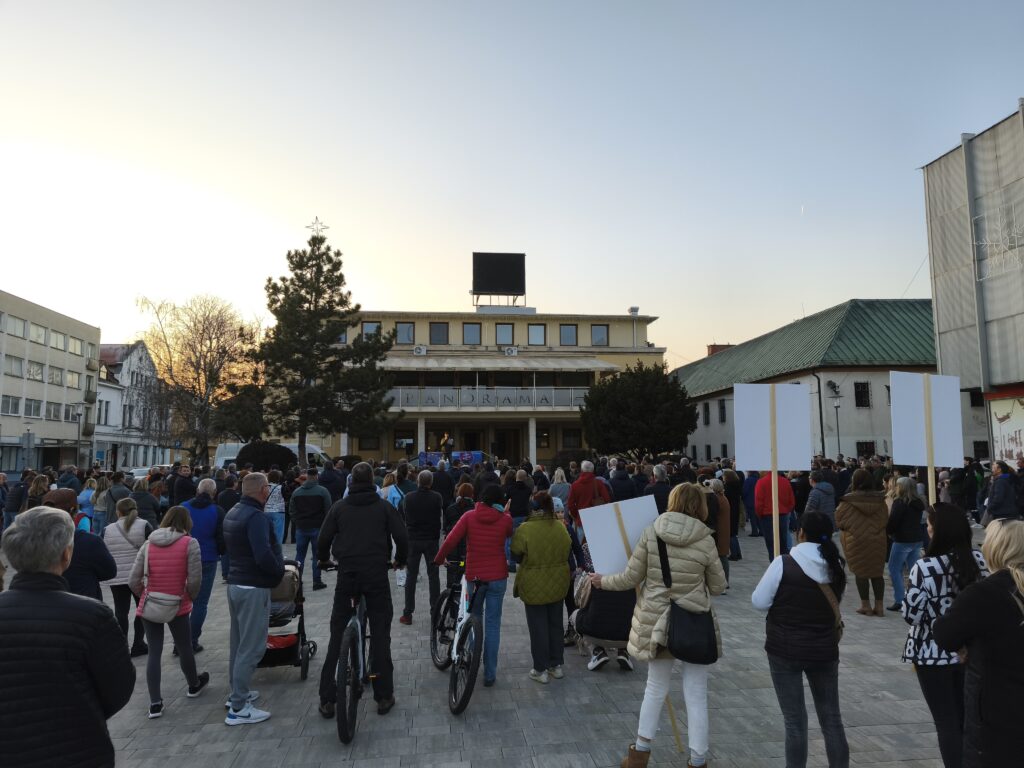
78,436
835,404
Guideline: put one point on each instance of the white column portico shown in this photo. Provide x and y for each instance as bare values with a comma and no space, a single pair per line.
421,434
531,440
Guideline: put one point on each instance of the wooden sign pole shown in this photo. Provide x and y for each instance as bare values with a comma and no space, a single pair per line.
629,553
774,468
928,437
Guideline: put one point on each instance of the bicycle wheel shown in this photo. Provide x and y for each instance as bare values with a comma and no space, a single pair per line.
443,617
350,687
467,664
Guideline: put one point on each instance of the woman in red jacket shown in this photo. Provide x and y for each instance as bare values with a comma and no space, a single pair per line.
486,528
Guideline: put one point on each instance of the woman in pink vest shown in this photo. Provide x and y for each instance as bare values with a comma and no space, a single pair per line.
174,568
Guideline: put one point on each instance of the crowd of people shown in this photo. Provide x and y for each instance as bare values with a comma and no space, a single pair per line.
158,542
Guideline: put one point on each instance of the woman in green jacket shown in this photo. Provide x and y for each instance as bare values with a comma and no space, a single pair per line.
541,545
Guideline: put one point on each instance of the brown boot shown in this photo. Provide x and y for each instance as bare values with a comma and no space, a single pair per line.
865,608
879,608
635,759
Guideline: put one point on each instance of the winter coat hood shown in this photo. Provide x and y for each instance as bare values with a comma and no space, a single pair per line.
201,501
680,530
487,514
825,487
164,537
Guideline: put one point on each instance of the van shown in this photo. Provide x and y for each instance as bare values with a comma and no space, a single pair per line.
228,452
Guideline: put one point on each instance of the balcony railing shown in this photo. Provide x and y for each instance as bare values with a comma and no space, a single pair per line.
488,398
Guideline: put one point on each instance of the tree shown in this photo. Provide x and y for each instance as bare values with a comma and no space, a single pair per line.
240,414
199,348
263,455
637,412
315,381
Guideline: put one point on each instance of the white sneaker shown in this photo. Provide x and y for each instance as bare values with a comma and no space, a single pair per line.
556,672
252,697
598,660
540,677
249,714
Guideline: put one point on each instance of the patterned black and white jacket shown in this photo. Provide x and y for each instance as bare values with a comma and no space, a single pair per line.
930,594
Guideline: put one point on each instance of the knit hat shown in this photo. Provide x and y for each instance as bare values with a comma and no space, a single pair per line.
62,498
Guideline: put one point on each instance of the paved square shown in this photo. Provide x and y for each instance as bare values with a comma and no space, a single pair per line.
585,719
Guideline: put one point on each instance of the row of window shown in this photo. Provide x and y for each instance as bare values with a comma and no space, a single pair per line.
861,399
33,371
11,406
39,334
504,334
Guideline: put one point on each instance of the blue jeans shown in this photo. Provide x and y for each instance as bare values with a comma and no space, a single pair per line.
769,535
823,679
734,547
277,523
99,521
202,601
8,519
492,598
516,522
902,554
304,538
225,565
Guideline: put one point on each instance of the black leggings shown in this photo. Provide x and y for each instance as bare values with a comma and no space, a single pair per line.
877,585
181,632
943,689
122,604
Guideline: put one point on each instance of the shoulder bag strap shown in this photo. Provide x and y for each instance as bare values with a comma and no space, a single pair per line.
145,567
666,573
832,601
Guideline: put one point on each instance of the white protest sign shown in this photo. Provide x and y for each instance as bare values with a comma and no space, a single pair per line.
604,530
753,436
909,444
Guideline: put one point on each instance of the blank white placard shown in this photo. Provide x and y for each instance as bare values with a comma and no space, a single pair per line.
753,432
908,434
602,530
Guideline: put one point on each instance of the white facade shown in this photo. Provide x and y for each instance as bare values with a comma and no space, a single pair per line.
864,418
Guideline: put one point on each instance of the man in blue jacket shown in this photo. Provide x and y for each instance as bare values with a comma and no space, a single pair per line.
256,566
208,530
1002,500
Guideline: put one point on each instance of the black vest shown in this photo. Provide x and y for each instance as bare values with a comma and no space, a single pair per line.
800,623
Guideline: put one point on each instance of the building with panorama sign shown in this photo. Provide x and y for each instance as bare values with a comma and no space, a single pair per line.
974,210
504,380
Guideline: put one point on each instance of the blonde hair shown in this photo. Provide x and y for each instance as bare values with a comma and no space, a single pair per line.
90,484
1004,548
389,479
128,511
717,486
559,476
688,499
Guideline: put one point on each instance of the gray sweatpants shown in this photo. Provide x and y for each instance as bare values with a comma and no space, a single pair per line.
250,618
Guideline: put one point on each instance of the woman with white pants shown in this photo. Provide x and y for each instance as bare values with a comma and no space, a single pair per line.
697,574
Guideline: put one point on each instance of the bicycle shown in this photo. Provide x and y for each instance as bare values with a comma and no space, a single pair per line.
456,640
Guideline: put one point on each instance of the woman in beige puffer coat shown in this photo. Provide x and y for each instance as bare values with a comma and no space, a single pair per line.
697,574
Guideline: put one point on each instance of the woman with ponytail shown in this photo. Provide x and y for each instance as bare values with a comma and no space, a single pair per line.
985,625
801,592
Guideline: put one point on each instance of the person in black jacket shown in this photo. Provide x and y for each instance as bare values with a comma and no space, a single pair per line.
147,504
659,489
462,504
486,477
17,494
184,488
986,624
622,484
91,561
60,653
332,480
358,533
424,509
444,484
904,527
227,499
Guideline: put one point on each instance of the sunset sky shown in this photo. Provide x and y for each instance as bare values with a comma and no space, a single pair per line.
726,166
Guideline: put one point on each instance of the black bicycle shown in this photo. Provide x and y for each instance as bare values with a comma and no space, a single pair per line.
355,670
456,640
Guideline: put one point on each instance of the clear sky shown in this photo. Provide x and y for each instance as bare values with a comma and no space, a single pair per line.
727,166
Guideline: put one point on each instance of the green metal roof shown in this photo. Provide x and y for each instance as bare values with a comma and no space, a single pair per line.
857,333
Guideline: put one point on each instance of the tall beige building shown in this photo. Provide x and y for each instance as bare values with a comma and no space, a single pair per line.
47,386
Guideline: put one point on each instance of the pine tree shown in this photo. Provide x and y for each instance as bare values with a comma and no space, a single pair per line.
315,382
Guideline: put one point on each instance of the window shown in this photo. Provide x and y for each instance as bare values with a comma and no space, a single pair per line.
53,411
58,340
572,439
693,451
977,400
33,408
503,334
866,448
37,333
981,449
371,328
405,333
707,453
72,379
725,450
69,413
862,394
74,345
471,333
35,371
369,443
599,335
56,376
343,337
439,333
88,382
14,366
706,407
721,413
567,335
536,334
90,349
10,406
543,437
16,326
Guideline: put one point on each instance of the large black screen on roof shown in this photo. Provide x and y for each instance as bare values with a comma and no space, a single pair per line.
501,274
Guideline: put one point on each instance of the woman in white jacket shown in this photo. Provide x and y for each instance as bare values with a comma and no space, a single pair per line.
124,539
696,575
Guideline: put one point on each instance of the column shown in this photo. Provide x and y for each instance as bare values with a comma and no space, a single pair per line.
421,434
343,447
531,440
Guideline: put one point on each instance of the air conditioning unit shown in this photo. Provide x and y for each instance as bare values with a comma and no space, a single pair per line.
511,351
420,349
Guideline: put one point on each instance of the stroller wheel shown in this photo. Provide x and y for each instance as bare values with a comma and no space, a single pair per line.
304,654
312,648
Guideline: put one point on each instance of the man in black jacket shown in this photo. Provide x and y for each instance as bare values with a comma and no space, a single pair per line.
184,488
91,562
424,510
332,480
659,489
444,484
16,496
358,533
59,653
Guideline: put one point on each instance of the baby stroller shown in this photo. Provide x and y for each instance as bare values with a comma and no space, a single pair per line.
602,621
287,645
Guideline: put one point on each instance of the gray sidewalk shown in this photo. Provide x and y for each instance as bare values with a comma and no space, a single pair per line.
586,719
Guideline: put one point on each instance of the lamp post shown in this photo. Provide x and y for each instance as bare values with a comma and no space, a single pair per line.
78,435
835,404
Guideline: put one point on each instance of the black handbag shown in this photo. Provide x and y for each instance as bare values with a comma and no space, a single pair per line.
691,636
